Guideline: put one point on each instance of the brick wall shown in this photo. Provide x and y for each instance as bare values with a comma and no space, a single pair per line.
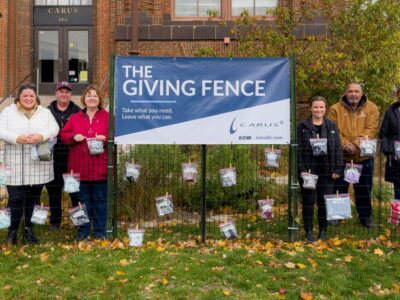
3,46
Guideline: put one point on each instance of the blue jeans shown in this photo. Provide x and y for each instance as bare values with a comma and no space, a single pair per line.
362,190
94,195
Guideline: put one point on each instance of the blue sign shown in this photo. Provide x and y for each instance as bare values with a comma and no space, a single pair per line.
202,100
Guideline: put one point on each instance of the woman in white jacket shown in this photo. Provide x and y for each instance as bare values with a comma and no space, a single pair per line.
23,126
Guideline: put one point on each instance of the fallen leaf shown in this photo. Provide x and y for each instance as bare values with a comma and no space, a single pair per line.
160,249
120,273
218,268
290,265
44,256
301,266
123,281
313,263
348,258
117,244
104,243
84,246
306,295
7,252
378,252
164,281
302,278
226,293
7,287
124,262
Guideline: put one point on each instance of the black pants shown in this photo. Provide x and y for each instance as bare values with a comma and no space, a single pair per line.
310,197
22,199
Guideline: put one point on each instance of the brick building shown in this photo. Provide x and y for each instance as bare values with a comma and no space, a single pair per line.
46,41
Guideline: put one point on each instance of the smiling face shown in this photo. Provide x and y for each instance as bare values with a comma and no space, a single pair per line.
92,99
63,96
27,98
318,109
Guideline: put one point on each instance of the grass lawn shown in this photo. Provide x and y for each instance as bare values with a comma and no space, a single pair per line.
244,269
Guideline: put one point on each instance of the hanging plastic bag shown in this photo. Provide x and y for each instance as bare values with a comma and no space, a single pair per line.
95,146
5,173
189,172
132,172
164,205
338,207
309,181
71,182
39,215
397,150
367,147
394,217
79,215
228,229
135,237
272,157
352,173
266,208
319,146
228,176
5,218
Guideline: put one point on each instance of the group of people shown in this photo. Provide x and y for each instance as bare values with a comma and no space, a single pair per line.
25,127
347,123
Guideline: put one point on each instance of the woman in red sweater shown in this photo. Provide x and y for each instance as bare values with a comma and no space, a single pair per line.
86,134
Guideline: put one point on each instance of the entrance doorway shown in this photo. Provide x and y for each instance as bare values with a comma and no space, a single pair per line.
63,54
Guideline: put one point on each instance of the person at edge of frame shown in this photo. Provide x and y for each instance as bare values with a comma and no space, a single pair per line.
328,167
61,108
357,117
23,126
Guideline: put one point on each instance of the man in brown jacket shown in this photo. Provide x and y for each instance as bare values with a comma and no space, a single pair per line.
357,117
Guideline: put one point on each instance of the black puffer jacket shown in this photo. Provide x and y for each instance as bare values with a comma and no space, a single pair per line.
306,161
389,133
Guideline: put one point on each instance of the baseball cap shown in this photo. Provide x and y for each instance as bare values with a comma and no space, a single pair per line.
64,85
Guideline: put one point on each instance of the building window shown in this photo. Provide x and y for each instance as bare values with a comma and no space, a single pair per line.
254,7
196,8
62,2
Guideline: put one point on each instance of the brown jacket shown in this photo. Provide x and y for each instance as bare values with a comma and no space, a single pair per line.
355,124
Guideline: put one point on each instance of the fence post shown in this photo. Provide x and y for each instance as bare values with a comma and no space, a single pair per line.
203,211
292,173
111,203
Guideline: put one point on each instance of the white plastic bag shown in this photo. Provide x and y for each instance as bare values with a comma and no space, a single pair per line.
189,172
338,207
352,173
272,157
319,146
228,176
367,147
135,237
132,172
5,218
228,229
266,208
95,147
164,205
309,181
79,215
71,182
39,215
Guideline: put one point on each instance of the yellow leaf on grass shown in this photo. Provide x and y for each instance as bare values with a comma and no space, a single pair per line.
301,266
378,252
218,268
160,249
124,262
306,295
7,252
348,258
117,244
104,243
44,256
164,281
123,281
395,288
120,273
387,232
226,293
337,243
313,263
84,246
290,265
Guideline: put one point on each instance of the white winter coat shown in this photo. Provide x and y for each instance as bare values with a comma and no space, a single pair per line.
25,170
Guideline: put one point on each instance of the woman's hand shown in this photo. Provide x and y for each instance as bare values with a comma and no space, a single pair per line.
100,138
35,138
78,137
23,139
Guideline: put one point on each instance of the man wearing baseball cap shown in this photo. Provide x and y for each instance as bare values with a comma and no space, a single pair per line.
61,108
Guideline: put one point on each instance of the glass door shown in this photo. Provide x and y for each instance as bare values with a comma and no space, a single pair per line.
63,54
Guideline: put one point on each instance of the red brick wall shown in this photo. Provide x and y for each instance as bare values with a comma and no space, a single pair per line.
3,46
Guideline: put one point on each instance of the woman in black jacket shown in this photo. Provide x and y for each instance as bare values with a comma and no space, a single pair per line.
328,167
388,135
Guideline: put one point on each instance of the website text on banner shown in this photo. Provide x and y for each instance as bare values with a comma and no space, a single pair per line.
202,100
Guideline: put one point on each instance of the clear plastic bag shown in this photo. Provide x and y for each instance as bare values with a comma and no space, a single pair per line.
39,215
132,172
228,176
135,237
309,181
272,157
228,229
95,147
397,150
394,217
352,173
164,205
79,215
319,146
44,150
338,207
5,173
71,182
5,218
367,147
266,208
189,172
